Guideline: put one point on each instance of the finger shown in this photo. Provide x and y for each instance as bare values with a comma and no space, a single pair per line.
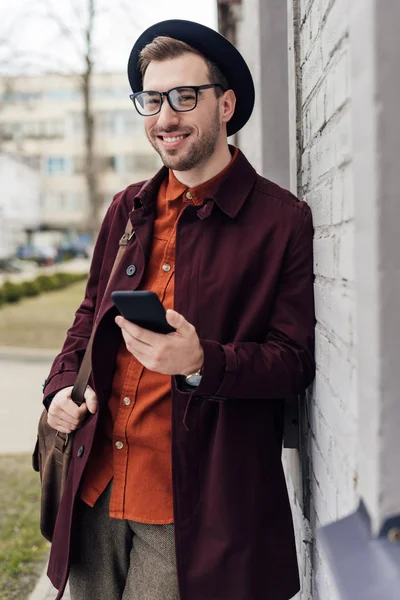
64,418
91,400
135,346
60,425
75,411
139,333
179,322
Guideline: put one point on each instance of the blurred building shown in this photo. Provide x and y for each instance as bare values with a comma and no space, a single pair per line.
19,201
42,117
326,125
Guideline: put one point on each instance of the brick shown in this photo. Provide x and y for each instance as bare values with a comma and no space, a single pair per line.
305,7
324,256
337,88
334,30
317,116
337,363
334,309
342,138
337,197
322,156
311,71
348,194
345,264
320,201
337,412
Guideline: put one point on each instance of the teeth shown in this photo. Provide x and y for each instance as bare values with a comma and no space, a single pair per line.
173,139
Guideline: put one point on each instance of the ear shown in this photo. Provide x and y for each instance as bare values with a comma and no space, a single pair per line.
228,104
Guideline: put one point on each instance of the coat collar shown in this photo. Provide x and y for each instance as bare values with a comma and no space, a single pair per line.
229,193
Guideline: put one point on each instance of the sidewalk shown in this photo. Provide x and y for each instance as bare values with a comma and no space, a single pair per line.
22,372
45,591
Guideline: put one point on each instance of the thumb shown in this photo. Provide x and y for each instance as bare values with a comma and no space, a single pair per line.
177,321
91,400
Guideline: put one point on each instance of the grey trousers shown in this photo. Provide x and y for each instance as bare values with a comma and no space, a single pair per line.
114,559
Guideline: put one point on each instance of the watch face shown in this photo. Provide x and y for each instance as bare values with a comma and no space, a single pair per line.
193,379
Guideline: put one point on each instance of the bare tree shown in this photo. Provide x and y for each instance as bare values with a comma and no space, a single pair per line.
89,125
81,38
75,25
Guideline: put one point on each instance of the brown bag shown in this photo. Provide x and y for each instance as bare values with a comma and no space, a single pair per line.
53,449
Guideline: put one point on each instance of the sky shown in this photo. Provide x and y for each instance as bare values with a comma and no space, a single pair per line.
31,40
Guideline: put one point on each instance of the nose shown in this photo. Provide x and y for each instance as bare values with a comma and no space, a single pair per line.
167,117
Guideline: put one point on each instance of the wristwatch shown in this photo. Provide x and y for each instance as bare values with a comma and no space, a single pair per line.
194,378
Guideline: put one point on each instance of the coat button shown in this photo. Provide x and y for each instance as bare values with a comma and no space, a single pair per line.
166,267
189,196
127,401
119,445
80,452
131,270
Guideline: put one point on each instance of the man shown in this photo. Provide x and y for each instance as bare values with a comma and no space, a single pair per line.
175,488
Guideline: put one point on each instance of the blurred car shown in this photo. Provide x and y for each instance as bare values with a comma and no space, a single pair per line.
42,255
76,246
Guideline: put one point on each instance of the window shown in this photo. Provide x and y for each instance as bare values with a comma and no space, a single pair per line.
77,124
6,131
78,164
147,162
107,163
132,122
16,97
43,129
141,162
111,163
107,123
55,165
63,95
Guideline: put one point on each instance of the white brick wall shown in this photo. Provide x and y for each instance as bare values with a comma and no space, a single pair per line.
325,182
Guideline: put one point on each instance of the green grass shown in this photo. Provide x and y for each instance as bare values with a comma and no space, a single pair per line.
40,322
23,550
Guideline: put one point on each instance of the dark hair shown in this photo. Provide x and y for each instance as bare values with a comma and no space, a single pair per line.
164,48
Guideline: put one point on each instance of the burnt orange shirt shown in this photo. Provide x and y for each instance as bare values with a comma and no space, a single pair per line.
133,442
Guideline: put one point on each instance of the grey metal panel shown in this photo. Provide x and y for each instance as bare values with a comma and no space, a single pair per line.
364,568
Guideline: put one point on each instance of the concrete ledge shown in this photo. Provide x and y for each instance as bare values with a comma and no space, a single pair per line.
45,591
28,354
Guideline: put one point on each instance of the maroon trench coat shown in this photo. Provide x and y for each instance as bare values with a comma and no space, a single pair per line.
244,279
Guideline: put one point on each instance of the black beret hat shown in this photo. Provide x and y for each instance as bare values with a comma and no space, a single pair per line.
214,47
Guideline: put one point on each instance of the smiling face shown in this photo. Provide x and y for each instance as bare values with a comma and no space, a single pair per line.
184,140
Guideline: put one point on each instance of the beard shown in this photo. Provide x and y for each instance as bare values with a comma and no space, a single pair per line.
198,152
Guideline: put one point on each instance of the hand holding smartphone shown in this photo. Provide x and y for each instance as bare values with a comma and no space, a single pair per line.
142,308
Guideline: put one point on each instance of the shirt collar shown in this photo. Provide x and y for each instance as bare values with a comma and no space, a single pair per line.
229,189
196,195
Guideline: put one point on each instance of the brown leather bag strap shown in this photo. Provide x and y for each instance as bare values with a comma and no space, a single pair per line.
82,378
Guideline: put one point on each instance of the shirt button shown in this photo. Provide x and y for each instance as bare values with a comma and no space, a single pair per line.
127,401
166,267
119,445
189,196
131,270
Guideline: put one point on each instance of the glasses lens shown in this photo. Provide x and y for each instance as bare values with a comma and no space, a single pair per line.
148,103
183,98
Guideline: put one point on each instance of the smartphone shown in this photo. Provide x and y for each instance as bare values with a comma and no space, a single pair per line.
142,308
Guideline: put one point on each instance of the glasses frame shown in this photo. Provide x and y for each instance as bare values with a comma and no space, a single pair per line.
195,88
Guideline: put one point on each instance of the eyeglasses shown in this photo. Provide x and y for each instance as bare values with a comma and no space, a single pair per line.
180,99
